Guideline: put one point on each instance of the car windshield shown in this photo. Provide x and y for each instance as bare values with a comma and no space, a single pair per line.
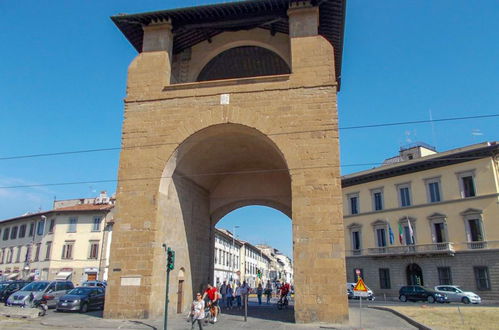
3,285
89,284
80,291
36,286
458,290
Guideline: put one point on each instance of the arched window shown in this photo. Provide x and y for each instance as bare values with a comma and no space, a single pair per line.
242,62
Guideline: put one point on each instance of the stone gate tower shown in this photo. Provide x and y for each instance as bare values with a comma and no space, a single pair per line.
229,105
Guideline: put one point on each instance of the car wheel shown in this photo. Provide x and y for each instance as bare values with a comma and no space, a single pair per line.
466,300
431,299
84,308
403,298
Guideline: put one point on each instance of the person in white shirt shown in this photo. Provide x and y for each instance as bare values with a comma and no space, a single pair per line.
197,311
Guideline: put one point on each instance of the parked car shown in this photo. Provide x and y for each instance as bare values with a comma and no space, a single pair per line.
456,294
94,284
9,287
82,299
49,290
418,292
351,294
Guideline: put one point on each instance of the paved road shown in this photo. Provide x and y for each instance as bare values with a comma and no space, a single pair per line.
260,317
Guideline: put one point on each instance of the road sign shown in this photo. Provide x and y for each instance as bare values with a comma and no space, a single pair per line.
360,289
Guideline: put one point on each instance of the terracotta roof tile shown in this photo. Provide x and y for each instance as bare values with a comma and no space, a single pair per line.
85,207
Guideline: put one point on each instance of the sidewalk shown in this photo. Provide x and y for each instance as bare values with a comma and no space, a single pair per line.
259,317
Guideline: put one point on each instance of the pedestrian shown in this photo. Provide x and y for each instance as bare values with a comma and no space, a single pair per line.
223,292
197,311
237,294
268,291
259,292
212,294
245,291
230,296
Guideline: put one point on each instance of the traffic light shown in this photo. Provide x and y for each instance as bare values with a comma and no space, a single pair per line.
170,260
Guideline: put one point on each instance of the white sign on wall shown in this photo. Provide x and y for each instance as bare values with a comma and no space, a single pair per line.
224,98
130,281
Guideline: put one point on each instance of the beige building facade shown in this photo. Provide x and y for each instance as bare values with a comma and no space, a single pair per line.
442,210
71,241
229,105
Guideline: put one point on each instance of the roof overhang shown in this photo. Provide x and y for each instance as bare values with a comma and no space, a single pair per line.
193,25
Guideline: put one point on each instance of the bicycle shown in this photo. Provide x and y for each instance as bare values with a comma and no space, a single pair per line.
209,313
283,302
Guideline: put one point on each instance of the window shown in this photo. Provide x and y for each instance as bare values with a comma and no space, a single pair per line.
22,231
353,201
94,250
67,250
18,255
384,278
482,278
356,240
72,225
381,237
48,250
31,229
216,255
475,230
404,193
41,227
37,251
51,226
10,255
13,233
444,276
377,196
467,184
96,224
439,230
409,227
6,233
2,256
433,190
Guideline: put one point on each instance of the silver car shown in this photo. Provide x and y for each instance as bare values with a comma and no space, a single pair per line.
456,294
50,290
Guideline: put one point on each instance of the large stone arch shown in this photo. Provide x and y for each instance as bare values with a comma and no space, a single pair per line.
214,171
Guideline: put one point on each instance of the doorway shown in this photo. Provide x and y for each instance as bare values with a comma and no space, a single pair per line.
414,275
180,295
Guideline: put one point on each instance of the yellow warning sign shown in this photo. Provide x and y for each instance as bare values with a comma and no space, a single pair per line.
360,286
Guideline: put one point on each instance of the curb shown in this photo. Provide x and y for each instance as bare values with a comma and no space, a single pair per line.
411,321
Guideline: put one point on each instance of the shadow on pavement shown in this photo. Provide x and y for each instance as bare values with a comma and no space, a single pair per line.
264,312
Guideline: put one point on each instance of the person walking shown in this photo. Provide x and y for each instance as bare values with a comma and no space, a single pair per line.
237,294
197,311
230,296
245,291
259,292
223,292
268,291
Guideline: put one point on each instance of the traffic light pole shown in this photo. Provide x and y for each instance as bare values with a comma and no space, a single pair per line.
170,265
165,323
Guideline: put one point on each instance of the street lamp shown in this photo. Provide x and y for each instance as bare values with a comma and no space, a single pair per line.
234,253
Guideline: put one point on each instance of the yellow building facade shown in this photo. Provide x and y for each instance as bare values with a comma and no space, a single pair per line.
426,218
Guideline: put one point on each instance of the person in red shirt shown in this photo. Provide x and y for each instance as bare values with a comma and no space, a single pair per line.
212,294
284,291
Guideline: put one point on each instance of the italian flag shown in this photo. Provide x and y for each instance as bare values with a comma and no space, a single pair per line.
401,234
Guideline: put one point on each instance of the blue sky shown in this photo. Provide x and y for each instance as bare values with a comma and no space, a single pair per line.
63,74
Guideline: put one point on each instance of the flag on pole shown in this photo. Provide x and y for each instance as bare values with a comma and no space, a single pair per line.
401,236
411,232
390,233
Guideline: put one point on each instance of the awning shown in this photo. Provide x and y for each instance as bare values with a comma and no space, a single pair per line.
12,276
63,275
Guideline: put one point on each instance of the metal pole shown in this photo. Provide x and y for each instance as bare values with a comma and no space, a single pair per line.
360,311
165,327
246,307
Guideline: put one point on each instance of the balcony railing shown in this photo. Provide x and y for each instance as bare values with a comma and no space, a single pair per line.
477,245
435,248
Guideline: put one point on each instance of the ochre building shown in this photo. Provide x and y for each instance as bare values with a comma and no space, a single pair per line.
442,208
229,105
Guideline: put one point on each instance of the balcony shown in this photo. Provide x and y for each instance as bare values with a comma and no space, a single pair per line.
447,248
477,245
420,249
